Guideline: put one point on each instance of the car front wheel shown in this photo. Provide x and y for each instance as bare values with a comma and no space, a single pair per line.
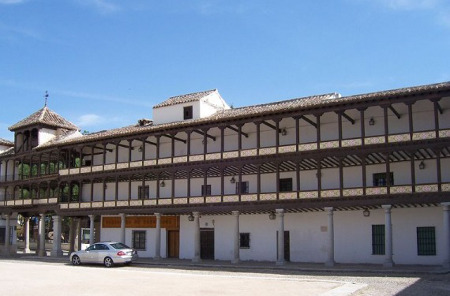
108,262
76,260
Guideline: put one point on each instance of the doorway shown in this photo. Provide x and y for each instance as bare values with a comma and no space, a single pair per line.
207,243
173,243
287,250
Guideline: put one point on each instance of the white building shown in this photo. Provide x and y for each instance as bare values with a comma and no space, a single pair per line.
359,179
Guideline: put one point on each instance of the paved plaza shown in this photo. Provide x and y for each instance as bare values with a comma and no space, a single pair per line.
47,276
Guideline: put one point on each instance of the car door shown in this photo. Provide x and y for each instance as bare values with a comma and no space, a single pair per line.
89,254
101,251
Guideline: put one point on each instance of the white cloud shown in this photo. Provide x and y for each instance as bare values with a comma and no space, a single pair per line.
102,6
89,120
11,1
411,4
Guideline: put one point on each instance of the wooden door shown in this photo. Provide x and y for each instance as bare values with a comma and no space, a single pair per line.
207,244
287,243
173,243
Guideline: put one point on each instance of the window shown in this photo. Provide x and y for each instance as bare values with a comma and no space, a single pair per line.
285,184
187,112
139,240
244,240
426,241
143,192
378,239
380,180
242,187
207,191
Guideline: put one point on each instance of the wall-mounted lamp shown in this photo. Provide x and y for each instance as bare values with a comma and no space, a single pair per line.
105,186
191,217
283,132
162,184
366,213
421,165
371,121
272,216
140,149
232,180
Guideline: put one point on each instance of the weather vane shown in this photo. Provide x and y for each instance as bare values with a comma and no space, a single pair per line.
46,97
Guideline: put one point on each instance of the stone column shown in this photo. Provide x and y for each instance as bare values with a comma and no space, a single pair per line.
122,228
388,262
158,237
196,237
56,249
72,235
41,251
27,235
236,258
280,218
91,229
7,233
446,234
78,234
330,259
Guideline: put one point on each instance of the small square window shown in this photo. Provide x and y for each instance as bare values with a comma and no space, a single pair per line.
143,192
244,240
242,187
285,185
207,191
187,112
381,180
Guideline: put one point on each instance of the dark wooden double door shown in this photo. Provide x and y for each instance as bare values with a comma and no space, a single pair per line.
287,249
207,243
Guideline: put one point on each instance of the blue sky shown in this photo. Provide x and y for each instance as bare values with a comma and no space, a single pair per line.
105,63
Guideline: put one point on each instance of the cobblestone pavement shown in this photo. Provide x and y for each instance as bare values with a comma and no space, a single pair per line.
218,278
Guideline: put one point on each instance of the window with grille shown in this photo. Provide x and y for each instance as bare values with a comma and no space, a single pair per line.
244,240
143,192
380,179
285,184
187,112
139,240
426,241
242,187
206,190
378,239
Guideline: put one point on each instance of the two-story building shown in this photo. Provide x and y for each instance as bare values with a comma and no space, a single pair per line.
326,178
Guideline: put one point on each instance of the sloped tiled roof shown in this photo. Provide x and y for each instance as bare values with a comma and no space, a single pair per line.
4,142
255,110
187,98
44,116
9,151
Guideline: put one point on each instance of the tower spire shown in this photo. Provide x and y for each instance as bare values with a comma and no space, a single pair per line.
46,97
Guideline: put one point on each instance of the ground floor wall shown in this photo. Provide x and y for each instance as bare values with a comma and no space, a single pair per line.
308,236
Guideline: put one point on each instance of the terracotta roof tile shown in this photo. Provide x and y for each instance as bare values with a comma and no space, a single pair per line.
185,98
6,142
44,116
255,110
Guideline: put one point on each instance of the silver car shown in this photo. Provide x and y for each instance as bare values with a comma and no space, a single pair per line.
106,253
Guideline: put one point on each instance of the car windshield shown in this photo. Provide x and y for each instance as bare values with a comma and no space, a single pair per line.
119,246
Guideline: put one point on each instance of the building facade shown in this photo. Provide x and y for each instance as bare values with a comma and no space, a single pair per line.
324,179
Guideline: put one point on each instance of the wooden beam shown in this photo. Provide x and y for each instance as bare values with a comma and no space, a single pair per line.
308,120
270,125
207,135
394,111
175,138
441,111
101,148
352,121
151,143
236,130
